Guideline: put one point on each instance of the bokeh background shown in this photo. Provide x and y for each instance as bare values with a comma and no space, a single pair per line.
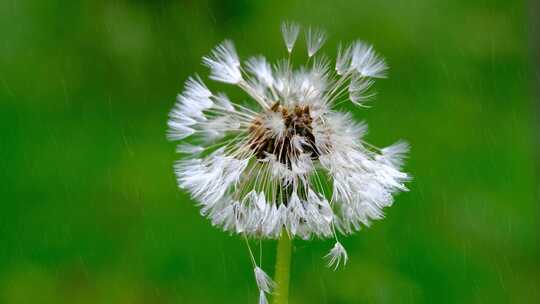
89,209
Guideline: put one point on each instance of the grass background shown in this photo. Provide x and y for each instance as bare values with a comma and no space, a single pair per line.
90,212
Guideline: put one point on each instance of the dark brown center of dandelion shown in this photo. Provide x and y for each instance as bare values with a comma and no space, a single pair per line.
297,121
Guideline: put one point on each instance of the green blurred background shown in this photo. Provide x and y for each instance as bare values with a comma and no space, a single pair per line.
90,212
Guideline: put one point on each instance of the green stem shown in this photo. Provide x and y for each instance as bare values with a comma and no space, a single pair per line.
283,266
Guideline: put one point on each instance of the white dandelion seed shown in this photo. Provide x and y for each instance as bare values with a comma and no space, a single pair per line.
264,282
315,38
290,31
358,89
189,149
366,61
290,161
336,256
224,63
261,69
343,60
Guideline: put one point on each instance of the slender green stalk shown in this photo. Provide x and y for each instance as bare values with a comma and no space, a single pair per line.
283,267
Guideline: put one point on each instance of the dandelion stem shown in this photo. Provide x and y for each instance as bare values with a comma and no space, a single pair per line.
283,266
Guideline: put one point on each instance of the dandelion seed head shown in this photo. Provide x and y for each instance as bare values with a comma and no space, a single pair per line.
290,159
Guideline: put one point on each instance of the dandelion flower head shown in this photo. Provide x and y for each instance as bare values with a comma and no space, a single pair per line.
290,159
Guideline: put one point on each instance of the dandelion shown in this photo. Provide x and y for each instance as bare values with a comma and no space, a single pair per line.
291,163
